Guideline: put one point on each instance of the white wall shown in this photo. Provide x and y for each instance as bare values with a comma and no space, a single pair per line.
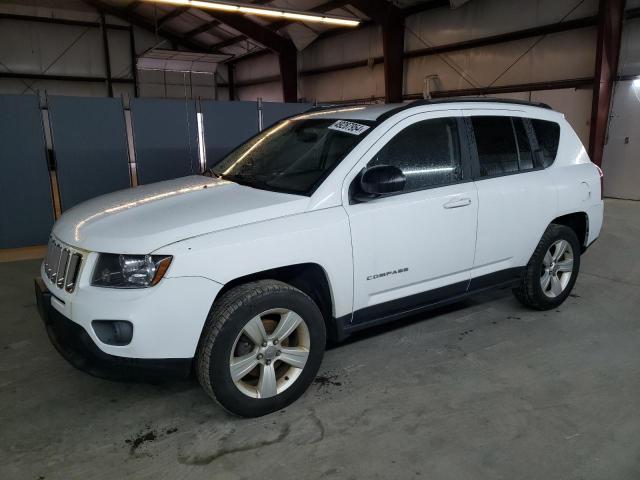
264,66
558,56
629,63
620,162
34,47
354,83
621,159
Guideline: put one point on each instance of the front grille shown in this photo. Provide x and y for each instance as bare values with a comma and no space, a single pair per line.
61,265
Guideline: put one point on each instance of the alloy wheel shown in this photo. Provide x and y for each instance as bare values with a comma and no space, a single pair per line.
269,353
557,268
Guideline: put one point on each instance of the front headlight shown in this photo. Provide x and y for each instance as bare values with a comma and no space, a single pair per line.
129,271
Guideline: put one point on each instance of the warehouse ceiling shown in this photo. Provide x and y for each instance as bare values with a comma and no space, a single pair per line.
231,34
234,35
205,28
207,32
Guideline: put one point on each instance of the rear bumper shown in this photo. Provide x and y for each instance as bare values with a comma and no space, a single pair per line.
73,342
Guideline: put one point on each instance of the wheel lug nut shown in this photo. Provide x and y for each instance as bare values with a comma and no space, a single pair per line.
268,362
278,353
275,342
260,356
264,344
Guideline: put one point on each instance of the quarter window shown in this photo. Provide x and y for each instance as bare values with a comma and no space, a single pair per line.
548,135
427,152
503,145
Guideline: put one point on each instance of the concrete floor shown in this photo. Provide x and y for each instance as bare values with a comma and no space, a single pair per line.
485,389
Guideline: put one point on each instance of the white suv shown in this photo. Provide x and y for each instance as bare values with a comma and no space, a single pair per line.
322,225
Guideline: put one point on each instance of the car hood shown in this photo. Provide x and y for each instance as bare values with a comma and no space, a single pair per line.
142,219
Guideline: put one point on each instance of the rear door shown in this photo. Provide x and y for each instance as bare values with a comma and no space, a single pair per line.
415,246
515,194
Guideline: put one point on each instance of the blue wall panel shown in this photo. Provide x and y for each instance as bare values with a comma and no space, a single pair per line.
26,209
227,125
165,136
90,145
274,111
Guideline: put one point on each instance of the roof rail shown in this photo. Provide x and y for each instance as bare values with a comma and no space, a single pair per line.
436,101
479,99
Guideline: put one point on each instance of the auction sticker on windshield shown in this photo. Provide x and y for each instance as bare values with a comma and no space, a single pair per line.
349,127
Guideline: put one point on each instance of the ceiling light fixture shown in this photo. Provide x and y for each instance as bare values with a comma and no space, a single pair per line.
263,11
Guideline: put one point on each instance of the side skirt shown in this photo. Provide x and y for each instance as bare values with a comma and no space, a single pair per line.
425,301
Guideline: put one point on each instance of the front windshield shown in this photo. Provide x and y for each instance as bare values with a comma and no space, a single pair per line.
293,156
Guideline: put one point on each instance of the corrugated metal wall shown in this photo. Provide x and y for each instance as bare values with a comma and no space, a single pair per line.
35,47
559,56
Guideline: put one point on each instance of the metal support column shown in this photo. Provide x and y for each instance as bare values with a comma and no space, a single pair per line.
231,80
288,59
134,68
610,17
393,49
391,19
107,60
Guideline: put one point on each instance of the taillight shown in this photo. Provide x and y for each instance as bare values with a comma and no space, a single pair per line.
601,182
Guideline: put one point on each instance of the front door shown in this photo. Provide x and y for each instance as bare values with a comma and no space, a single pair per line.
416,246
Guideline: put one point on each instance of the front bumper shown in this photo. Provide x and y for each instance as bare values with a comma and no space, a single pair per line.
73,342
167,319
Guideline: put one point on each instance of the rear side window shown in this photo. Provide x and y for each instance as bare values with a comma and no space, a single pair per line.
427,152
548,135
503,145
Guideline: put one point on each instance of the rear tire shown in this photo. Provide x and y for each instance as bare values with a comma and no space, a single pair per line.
261,347
552,270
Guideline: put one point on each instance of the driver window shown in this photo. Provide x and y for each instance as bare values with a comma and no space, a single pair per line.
427,152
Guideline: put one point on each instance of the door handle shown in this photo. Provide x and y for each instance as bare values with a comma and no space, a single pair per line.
457,203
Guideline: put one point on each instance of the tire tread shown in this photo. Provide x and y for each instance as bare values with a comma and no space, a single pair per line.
220,313
525,292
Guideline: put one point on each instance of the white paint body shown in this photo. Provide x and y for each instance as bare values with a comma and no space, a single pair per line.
218,231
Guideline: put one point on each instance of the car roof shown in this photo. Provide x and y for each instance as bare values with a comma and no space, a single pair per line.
380,112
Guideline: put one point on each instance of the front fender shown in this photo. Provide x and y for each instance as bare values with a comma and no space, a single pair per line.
322,237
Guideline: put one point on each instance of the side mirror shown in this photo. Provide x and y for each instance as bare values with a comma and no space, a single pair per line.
382,179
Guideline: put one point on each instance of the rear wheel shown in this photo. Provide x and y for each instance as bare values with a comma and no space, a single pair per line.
261,348
552,271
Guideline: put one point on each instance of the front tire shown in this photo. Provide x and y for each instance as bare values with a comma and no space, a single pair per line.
261,347
552,270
